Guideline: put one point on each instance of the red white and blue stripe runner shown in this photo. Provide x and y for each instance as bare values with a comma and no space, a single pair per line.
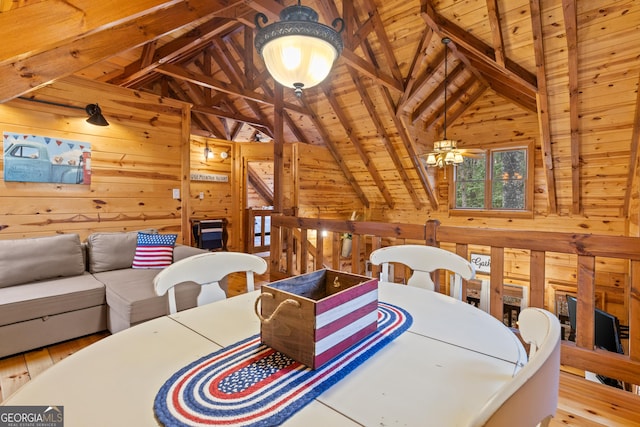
250,384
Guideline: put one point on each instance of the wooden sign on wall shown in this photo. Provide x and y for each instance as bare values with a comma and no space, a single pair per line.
212,177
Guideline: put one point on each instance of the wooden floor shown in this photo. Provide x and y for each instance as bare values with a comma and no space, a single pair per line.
581,402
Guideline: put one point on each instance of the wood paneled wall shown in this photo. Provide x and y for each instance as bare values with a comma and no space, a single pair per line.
135,162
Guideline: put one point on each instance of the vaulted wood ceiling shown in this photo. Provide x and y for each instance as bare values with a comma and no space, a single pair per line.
571,68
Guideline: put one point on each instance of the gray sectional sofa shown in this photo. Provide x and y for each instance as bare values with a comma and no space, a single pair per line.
57,288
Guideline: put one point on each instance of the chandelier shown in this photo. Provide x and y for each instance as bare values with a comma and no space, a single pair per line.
445,151
298,51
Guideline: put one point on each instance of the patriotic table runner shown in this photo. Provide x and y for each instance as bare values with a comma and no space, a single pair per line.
250,384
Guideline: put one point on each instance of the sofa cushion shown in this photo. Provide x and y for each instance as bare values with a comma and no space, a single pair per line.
130,293
154,250
49,297
112,250
40,258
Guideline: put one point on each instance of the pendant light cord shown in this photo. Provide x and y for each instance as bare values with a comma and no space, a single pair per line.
446,42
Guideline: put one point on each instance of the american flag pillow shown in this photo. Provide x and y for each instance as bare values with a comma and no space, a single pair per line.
154,250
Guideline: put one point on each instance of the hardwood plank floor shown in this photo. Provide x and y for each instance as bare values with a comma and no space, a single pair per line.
581,402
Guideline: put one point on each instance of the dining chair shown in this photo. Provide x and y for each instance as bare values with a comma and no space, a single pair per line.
531,397
423,260
207,270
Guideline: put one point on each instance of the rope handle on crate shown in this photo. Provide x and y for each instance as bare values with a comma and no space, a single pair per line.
278,308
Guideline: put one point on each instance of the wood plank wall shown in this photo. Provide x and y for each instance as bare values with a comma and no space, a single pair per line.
135,162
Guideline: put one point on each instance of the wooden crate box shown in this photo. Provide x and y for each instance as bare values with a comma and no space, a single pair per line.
314,317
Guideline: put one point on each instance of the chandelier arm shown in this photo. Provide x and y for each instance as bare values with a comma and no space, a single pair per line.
260,17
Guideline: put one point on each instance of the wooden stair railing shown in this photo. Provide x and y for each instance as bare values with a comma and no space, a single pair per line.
368,236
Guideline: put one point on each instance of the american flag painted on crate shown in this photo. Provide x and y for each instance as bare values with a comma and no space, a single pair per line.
250,384
154,250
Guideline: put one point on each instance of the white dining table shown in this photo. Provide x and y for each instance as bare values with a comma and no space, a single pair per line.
439,372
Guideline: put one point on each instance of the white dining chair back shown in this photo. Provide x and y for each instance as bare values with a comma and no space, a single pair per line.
423,260
207,270
531,397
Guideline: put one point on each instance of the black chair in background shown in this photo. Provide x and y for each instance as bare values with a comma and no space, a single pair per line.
607,334
210,234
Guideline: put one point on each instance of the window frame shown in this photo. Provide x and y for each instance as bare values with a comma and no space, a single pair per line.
527,212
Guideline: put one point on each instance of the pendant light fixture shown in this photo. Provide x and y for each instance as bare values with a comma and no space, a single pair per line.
298,51
445,151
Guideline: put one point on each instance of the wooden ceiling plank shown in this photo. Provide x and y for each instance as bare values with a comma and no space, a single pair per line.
542,102
82,17
344,121
496,31
386,140
412,76
22,76
324,134
571,29
633,176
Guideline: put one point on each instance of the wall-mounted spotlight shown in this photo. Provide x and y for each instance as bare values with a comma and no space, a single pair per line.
208,153
95,115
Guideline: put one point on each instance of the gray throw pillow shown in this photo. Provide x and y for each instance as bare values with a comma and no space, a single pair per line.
40,258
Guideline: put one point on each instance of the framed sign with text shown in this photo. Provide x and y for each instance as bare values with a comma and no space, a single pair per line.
482,263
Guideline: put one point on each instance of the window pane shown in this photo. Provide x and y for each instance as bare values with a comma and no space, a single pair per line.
509,170
470,179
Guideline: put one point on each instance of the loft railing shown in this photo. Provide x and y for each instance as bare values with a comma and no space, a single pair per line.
257,230
305,244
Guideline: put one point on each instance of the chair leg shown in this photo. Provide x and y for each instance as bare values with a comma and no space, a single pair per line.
545,422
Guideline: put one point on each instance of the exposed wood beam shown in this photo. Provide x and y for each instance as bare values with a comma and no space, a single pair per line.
633,178
27,74
218,112
259,185
400,127
173,50
354,61
278,151
451,100
413,81
542,101
202,80
201,121
36,27
496,31
227,63
344,121
571,29
336,154
386,140
482,57
383,39
428,101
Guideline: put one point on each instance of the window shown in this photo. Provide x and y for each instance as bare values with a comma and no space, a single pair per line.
495,180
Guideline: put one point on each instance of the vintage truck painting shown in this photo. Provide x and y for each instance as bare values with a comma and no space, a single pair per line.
30,158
